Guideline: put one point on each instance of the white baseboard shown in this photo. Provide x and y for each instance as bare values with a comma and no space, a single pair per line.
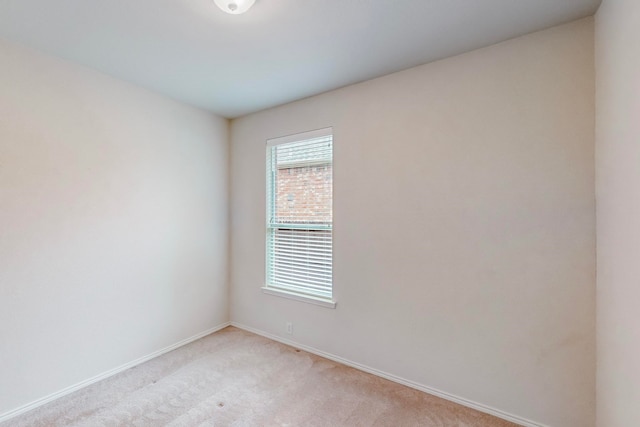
430,390
104,375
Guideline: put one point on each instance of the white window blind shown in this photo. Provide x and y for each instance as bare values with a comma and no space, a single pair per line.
300,214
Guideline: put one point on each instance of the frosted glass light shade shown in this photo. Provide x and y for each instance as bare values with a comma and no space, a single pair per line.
234,7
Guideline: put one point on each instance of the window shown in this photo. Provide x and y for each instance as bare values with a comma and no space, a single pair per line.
300,217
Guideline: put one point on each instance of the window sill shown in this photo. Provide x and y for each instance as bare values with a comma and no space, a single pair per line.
298,297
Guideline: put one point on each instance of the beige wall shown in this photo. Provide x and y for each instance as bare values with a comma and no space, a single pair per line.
618,194
464,225
113,224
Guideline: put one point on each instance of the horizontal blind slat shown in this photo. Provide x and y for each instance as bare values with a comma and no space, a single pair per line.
302,267
293,244
315,236
302,284
299,256
318,268
302,277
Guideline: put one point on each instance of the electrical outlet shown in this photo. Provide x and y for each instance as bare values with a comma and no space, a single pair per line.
289,328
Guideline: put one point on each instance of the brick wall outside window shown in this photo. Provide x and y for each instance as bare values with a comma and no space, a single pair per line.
304,194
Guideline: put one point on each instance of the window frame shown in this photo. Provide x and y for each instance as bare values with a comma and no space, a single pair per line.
271,194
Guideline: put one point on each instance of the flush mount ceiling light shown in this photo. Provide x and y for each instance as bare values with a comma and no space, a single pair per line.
234,7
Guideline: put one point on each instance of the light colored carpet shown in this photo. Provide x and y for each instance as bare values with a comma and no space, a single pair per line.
235,378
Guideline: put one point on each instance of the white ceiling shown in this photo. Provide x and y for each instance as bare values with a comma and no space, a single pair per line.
279,51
